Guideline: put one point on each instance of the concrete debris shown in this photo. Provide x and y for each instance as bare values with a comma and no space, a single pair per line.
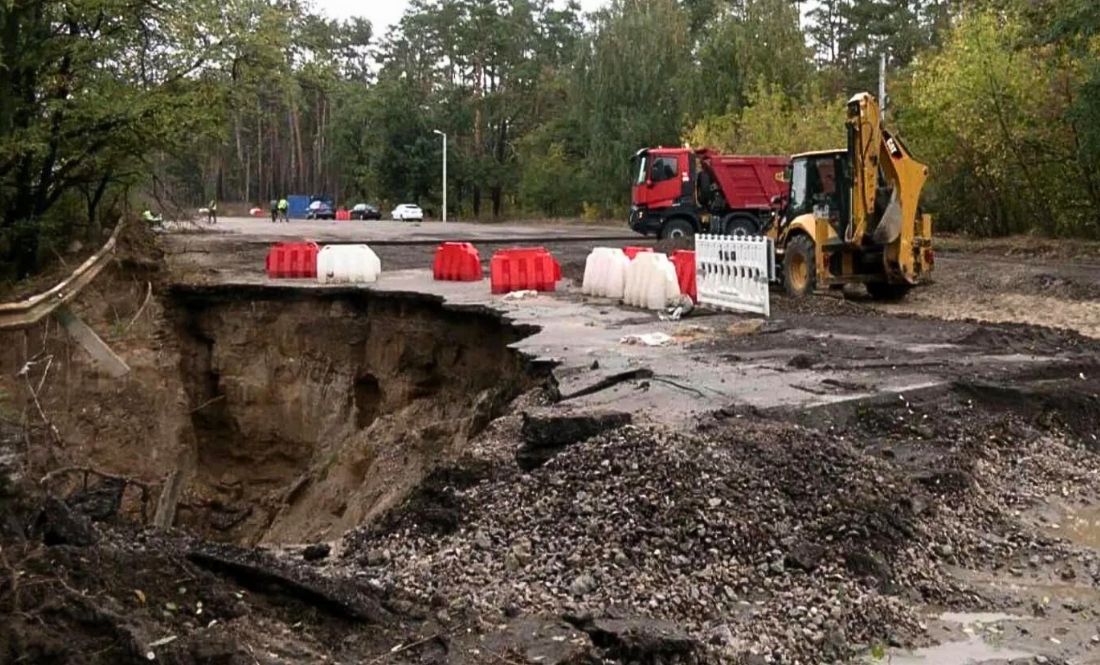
647,339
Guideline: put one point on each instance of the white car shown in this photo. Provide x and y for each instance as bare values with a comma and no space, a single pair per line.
407,211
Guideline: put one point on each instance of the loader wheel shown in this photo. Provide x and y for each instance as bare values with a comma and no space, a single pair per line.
887,292
799,267
677,228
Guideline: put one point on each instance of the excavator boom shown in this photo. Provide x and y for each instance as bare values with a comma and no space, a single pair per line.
886,188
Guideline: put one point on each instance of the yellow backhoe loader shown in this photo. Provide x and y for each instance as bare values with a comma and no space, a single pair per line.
853,216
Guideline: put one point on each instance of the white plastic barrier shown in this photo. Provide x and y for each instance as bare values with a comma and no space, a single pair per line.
733,272
354,264
605,273
651,282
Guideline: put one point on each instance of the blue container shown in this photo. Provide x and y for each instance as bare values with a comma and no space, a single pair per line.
297,206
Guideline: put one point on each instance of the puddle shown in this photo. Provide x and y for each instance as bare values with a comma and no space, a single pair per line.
1080,525
977,618
970,651
966,652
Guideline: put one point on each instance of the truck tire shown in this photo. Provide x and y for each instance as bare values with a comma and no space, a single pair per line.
799,267
677,228
887,292
741,225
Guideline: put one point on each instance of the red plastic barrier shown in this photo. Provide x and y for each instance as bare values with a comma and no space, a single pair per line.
343,215
523,268
684,260
631,252
457,262
293,260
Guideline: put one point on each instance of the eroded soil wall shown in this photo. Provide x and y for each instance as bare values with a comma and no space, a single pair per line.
314,411
291,414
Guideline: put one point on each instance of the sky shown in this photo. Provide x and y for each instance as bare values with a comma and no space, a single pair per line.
384,13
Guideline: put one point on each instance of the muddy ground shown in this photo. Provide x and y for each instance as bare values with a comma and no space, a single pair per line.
383,477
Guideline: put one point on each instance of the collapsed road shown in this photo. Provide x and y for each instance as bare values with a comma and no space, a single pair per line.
419,472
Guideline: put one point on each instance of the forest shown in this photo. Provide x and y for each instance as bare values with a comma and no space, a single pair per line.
105,104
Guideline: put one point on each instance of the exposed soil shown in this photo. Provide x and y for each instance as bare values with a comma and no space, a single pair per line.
312,414
373,477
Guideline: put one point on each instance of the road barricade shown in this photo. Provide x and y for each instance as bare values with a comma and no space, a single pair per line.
684,261
347,264
292,260
631,252
343,215
457,262
523,268
651,282
733,273
605,273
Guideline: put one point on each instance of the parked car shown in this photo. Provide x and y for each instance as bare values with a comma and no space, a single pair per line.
407,211
365,211
320,210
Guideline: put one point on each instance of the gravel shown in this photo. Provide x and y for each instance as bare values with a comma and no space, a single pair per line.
761,538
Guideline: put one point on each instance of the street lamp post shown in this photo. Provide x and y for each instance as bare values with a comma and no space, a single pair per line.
444,174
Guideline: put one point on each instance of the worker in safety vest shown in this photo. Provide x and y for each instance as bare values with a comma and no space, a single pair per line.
284,206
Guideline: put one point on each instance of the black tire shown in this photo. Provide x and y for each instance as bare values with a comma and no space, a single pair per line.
800,267
887,292
742,226
677,228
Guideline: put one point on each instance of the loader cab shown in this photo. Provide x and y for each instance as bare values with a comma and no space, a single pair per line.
820,185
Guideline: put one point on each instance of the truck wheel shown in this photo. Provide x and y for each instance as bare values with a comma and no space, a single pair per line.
677,228
799,267
742,226
887,292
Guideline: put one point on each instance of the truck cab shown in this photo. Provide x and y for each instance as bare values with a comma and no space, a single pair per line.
663,189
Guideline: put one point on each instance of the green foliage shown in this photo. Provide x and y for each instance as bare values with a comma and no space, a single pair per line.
775,123
986,113
750,42
630,90
549,184
250,100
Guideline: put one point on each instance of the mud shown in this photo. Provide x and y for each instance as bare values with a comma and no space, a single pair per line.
356,486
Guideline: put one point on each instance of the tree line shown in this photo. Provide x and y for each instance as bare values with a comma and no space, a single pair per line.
103,102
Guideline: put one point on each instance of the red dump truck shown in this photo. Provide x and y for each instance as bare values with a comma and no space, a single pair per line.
680,192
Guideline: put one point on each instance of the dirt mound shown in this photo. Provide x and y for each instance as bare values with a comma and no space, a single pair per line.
673,244
1024,338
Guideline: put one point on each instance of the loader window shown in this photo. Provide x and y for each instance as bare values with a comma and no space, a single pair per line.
813,183
799,191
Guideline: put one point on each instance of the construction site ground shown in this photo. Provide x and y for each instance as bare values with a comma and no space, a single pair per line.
418,471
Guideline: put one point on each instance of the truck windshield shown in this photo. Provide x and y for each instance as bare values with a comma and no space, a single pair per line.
641,169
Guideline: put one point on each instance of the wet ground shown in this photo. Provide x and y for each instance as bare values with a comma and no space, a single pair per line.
844,482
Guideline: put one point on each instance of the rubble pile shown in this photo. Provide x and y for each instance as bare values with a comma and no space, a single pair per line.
771,540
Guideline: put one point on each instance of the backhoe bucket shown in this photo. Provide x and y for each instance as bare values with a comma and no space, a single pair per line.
889,227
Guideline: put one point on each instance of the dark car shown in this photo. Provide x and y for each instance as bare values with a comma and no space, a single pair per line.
320,210
364,211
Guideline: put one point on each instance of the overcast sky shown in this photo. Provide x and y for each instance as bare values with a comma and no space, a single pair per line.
384,13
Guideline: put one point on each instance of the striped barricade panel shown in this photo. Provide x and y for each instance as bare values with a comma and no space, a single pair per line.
733,272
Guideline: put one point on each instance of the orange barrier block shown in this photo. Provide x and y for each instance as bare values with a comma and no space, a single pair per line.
457,262
523,268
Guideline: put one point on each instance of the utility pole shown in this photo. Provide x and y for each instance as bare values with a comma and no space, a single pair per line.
882,84
444,174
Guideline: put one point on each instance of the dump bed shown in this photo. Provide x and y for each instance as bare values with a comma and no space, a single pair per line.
748,182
